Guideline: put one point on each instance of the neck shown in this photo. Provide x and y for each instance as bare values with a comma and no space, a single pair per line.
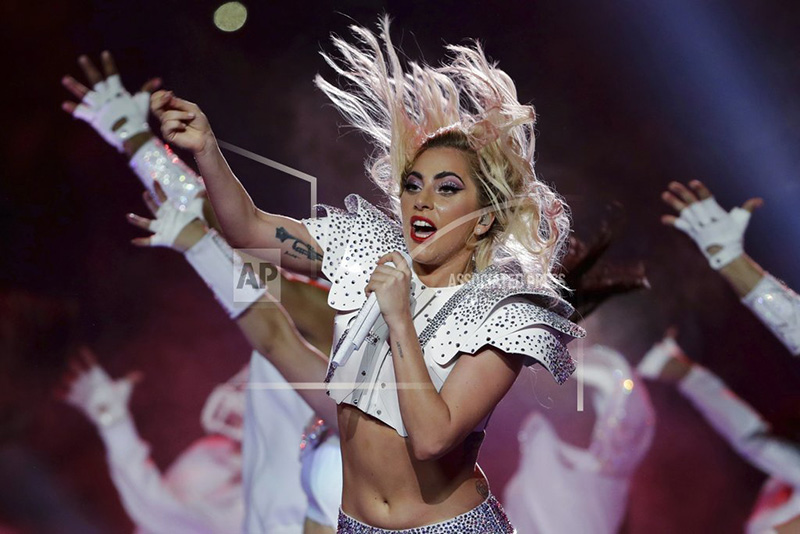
446,274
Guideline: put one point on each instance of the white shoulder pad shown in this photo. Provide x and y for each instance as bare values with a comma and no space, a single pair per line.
352,241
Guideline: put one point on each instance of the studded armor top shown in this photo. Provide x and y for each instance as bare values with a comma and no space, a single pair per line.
493,308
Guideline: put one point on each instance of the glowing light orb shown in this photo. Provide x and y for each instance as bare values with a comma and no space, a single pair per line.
230,16
628,385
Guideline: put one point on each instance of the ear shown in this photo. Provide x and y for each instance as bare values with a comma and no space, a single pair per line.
484,223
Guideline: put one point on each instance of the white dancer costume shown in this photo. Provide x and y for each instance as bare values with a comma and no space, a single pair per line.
279,489
321,457
561,488
493,308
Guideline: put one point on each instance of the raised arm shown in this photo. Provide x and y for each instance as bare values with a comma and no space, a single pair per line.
263,320
735,420
121,120
146,495
720,237
242,223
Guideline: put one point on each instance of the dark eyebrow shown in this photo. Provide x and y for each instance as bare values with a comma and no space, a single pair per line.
444,174
438,176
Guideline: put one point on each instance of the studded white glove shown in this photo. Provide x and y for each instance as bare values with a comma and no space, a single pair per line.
109,103
170,221
709,225
102,400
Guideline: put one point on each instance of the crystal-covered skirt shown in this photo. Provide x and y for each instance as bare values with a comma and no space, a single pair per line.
486,518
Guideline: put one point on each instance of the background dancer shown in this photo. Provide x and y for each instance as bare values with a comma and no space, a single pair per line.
201,492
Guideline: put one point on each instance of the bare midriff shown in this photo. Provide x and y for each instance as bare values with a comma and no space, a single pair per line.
386,487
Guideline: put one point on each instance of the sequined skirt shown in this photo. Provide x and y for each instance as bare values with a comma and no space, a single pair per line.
486,518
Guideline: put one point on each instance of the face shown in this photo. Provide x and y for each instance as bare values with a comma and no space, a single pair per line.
440,208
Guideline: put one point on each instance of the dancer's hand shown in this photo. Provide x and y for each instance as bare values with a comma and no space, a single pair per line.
665,361
182,122
108,106
87,387
173,228
392,287
718,234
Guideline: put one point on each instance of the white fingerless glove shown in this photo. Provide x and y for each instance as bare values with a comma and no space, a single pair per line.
109,103
708,225
102,400
170,222
657,357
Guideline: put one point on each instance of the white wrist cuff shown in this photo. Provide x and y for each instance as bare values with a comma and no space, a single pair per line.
778,307
657,357
155,162
220,267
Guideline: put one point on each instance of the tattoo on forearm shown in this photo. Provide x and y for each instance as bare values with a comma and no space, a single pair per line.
483,489
399,349
298,245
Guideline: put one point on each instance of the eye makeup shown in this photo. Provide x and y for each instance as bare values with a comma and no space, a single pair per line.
412,182
446,181
449,186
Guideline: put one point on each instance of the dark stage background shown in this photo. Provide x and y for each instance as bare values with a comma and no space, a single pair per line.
630,95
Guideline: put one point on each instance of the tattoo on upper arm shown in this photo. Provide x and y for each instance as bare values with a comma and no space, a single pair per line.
482,488
399,349
298,245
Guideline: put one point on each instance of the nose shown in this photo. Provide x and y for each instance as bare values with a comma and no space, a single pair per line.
423,199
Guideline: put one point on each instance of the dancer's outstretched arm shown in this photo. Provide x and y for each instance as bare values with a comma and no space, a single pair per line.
263,320
720,237
121,120
735,420
147,496
243,224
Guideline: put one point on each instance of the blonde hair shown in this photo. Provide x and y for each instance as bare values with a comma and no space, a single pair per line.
468,104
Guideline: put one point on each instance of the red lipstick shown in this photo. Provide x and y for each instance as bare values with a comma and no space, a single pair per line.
421,229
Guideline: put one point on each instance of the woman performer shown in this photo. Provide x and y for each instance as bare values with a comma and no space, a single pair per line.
455,156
